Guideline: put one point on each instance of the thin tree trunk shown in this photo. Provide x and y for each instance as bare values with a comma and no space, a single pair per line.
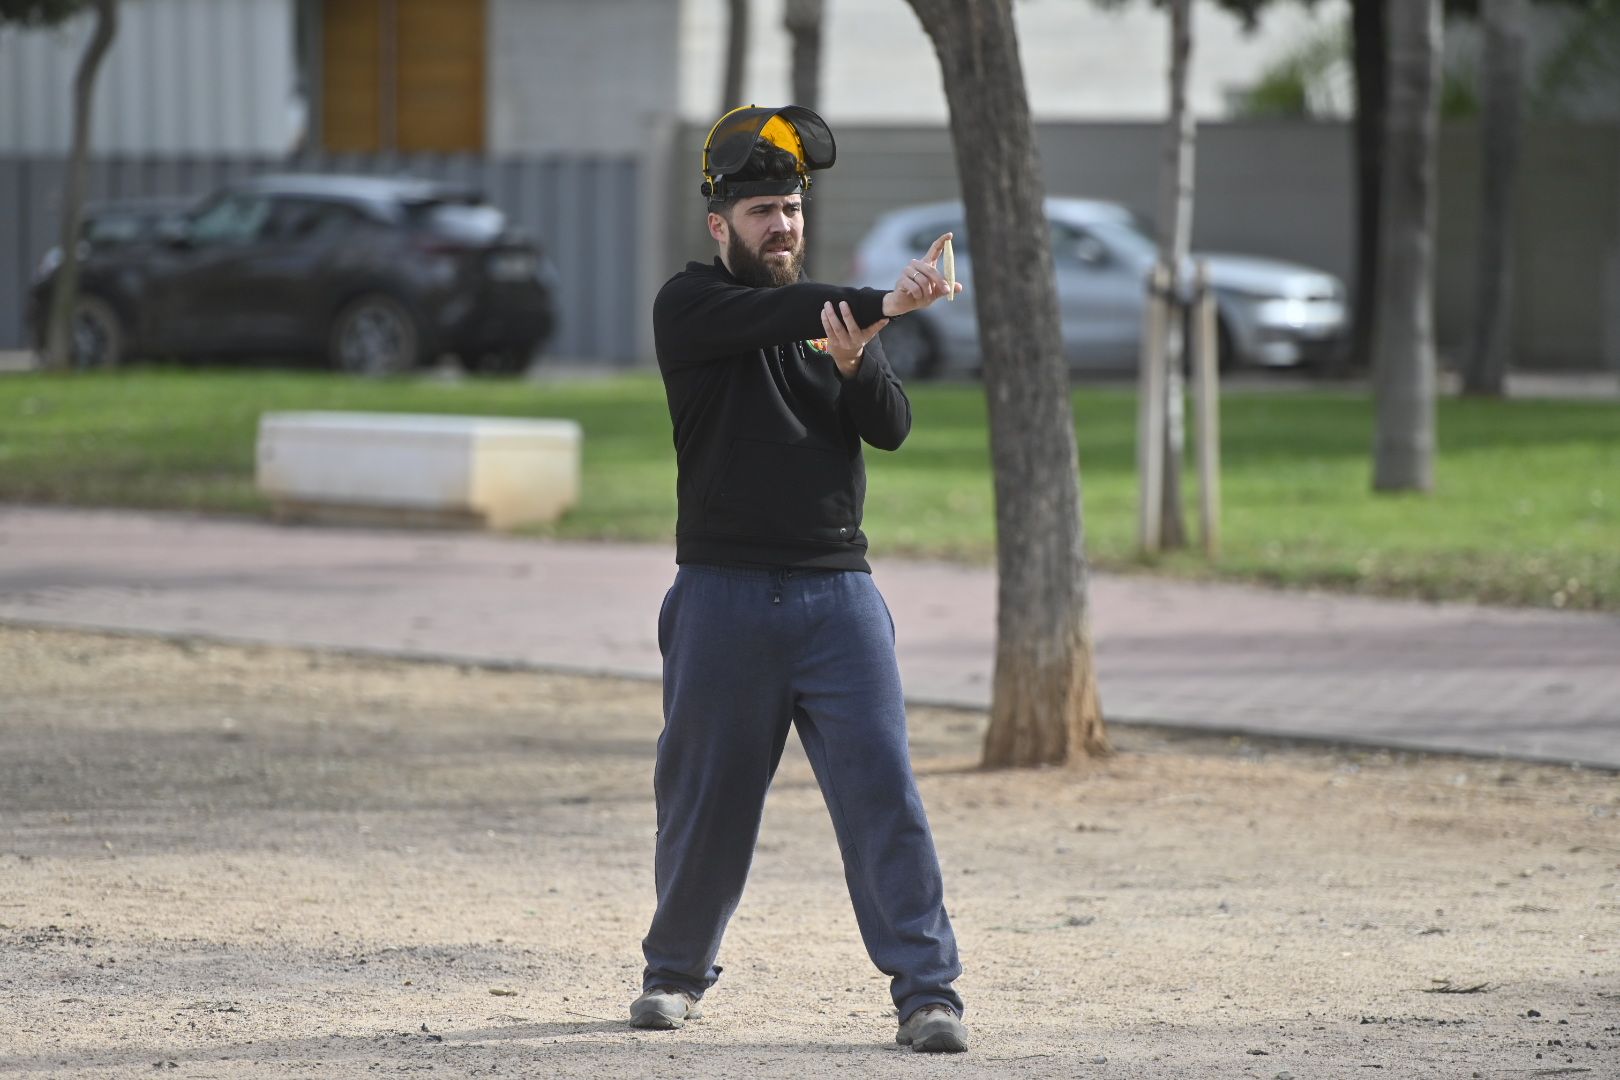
736,55
65,292
803,20
1404,364
1045,708
1503,78
1175,240
1371,49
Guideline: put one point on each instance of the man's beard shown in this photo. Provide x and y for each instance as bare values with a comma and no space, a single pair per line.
753,269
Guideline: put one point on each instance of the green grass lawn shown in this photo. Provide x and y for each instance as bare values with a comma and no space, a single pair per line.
1526,508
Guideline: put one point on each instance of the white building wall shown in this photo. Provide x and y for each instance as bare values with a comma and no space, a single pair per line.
580,76
1080,62
182,77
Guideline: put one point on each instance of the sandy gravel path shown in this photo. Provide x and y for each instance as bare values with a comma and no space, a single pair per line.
222,862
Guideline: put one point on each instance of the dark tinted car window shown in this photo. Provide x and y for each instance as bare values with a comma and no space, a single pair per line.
1074,244
1064,234
919,240
458,219
297,219
1066,239
235,219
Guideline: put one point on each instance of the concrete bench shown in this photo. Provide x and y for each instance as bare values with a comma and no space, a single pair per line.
408,469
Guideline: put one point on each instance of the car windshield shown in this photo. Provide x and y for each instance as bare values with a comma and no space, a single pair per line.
458,219
1129,232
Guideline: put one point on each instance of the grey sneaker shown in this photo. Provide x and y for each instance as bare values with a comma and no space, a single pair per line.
933,1029
664,1007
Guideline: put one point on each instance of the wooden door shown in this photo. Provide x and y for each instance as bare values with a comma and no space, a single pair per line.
441,75
351,79
403,75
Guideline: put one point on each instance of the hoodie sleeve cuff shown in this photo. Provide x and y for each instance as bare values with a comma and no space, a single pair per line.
868,307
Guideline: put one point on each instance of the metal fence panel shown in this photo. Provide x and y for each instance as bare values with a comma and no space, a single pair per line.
183,76
15,268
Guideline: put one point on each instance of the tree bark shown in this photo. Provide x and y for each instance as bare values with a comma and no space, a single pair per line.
803,20
1045,708
1175,241
65,291
1503,77
731,91
1369,36
1404,363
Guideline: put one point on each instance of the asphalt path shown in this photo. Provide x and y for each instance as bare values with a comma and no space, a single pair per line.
1526,684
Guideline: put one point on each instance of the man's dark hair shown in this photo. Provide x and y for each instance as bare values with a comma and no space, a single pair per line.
723,206
766,161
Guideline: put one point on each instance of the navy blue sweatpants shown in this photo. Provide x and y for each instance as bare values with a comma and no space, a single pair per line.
746,653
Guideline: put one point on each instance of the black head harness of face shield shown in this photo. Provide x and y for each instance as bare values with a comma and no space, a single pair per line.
761,151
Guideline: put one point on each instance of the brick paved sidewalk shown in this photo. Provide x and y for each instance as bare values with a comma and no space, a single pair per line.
1529,684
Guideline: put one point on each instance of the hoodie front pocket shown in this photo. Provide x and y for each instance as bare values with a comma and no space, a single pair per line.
780,490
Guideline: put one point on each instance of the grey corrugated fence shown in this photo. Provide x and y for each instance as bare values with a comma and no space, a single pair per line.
1282,189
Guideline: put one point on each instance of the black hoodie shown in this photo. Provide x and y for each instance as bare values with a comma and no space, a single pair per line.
767,435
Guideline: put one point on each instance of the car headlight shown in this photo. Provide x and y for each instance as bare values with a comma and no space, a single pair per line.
1283,312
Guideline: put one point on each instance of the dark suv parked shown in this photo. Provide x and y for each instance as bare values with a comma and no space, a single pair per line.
377,275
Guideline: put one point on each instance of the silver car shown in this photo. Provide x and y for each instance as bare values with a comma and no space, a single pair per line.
1272,314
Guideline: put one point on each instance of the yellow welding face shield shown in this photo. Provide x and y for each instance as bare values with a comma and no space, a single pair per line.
747,151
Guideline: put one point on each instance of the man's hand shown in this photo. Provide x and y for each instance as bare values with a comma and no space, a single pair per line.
920,283
845,338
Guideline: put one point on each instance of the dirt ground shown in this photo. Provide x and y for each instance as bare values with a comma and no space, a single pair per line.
220,861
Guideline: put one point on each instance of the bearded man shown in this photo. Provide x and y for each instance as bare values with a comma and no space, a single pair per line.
774,382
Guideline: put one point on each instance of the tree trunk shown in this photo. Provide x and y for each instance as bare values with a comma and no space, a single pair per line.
736,56
65,292
1404,363
1371,49
1175,241
1503,78
1045,708
803,20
